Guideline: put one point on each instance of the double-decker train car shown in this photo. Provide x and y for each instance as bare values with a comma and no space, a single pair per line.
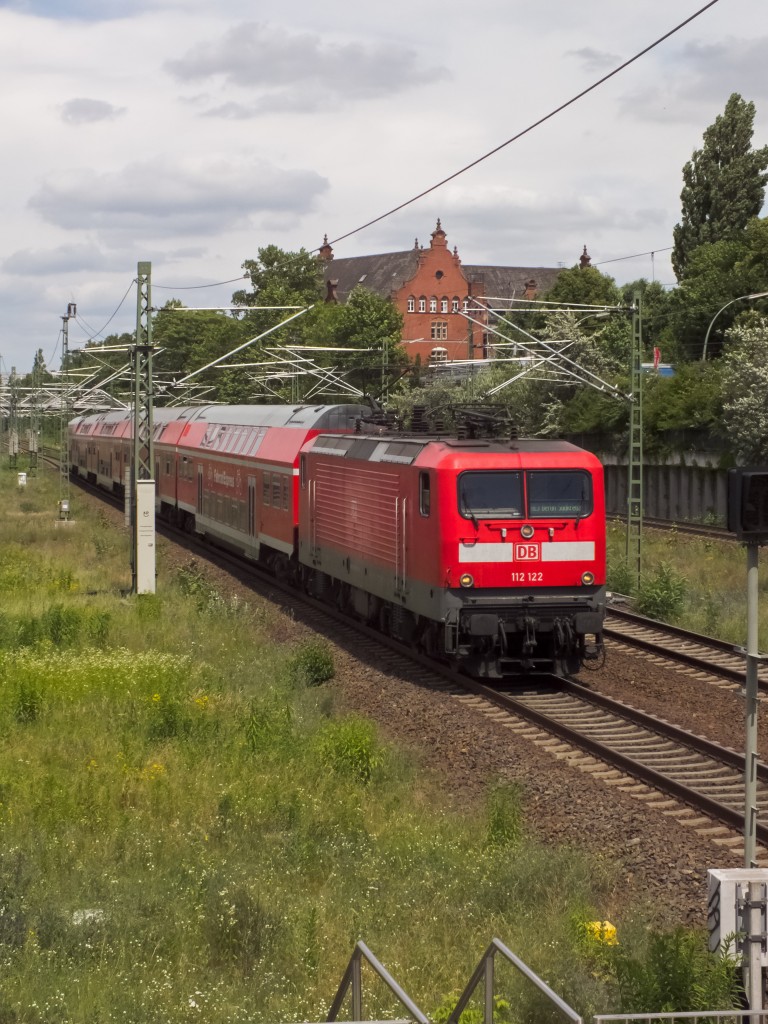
488,553
228,472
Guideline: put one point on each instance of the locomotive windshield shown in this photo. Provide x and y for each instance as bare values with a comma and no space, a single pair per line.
560,493
499,495
493,495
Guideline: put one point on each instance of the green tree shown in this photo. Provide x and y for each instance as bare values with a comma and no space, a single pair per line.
367,323
584,286
711,280
656,312
190,339
689,401
724,184
279,278
549,401
718,273
745,389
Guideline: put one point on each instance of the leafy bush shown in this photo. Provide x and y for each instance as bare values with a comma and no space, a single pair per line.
662,594
312,665
350,747
620,578
676,972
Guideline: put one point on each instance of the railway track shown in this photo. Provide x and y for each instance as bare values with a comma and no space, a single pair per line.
703,654
676,772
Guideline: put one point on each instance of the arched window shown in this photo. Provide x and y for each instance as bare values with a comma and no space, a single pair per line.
422,304
439,330
455,304
433,304
411,304
444,304
465,304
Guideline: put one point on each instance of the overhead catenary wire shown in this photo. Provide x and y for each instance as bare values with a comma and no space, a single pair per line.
530,128
525,131
503,145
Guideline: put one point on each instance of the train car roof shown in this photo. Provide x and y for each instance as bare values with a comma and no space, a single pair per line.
318,417
406,449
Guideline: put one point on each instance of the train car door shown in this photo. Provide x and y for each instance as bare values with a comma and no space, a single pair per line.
401,523
200,489
251,506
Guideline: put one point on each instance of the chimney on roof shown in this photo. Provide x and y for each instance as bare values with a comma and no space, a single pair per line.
330,291
585,259
325,252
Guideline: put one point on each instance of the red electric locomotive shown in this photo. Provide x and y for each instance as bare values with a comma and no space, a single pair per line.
490,553
485,552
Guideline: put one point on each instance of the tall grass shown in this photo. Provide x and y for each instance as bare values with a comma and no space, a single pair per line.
188,833
697,583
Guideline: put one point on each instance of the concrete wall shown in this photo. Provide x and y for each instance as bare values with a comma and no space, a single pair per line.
696,493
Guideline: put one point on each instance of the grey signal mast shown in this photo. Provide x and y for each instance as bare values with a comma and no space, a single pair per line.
142,482
64,412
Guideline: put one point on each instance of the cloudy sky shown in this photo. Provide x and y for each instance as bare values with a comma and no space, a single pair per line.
189,133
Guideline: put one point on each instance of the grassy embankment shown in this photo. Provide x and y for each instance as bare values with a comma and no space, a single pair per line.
188,832
691,581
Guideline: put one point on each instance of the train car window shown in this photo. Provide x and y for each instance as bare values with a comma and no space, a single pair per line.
266,489
303,470
559,493
276,490
492,495
424,494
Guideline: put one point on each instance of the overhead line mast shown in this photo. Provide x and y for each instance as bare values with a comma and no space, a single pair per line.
142,489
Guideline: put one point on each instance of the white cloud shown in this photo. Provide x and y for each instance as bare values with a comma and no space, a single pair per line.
87,111
297,72
79,257
190,134
161,196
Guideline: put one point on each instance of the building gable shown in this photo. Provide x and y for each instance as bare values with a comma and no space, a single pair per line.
432,289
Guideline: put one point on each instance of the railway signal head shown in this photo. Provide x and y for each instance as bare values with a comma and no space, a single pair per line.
748,504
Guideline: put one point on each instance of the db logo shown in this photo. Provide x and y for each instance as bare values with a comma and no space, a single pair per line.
526,552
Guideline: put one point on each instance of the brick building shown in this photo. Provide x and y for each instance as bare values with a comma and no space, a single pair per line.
431,287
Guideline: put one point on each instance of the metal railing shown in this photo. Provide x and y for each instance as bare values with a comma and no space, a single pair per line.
353,976
485,972
691,1016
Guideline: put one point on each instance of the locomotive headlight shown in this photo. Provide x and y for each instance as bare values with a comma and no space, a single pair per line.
587,578
467,580
526,531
